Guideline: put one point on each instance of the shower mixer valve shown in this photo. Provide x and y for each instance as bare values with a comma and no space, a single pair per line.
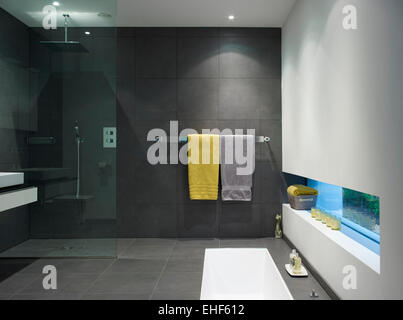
109,138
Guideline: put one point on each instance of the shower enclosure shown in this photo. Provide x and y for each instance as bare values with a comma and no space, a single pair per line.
69,81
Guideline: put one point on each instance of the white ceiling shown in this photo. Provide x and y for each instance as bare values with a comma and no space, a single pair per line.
157,13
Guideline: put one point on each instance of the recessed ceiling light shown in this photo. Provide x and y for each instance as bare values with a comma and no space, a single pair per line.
87,33
56,3
231,17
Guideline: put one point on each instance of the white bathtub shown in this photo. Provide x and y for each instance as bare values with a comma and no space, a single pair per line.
242,274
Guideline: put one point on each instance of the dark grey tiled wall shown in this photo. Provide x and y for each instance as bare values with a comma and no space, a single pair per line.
206,78
14,63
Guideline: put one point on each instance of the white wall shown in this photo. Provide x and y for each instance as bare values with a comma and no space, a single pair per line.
342,112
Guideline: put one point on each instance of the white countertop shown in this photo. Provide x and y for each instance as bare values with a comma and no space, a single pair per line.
9,179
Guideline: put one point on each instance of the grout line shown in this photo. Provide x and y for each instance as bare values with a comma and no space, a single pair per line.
163,270
23,288
97,278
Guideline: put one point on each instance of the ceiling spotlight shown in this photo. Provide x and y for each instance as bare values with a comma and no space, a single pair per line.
87,33
231,17
56,3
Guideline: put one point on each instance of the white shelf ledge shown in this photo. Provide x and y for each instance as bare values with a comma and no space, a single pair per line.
368,257
13,199
9,179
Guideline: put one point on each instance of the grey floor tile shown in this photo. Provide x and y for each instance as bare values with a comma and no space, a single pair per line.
47,248
146,252
5,296
174,295
72,283
37,266
16,283
184,265
241,243
136,265
117,296
203,243
142,283
155,242
180,282
188,252
69,266
125,242
48,296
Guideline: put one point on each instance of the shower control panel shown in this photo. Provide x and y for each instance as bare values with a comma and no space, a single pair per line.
110,137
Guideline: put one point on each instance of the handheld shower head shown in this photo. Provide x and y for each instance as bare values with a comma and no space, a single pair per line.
77,130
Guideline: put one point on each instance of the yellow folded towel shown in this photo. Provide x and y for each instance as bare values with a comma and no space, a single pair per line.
300,190
203,166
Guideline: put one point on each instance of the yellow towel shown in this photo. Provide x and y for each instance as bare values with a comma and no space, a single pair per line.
203,166
300,190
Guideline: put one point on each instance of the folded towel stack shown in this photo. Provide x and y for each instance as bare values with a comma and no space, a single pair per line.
300,190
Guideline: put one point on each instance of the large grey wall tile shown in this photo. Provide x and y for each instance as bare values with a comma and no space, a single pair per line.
154,220
198,57
250,57
156,57
133,143
272,151
244,98
152,106
270,107
198,99
156,32
269,212
267,183
250,32
198,32
240,220
154,184
14,227
126,58
197,219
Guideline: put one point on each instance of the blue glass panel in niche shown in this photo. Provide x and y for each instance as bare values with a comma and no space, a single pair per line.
359,212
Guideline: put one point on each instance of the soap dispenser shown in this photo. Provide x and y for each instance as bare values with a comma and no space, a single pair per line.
296,266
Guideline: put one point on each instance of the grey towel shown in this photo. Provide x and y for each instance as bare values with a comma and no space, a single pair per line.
237,158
